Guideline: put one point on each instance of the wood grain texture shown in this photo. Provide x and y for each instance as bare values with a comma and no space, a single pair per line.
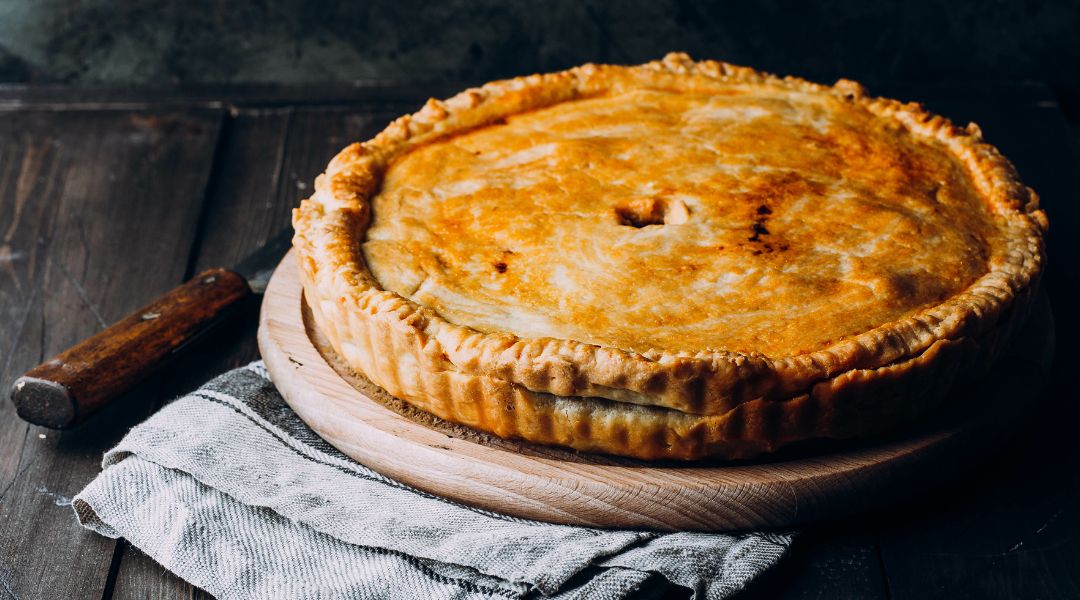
241,212
267,159
79,192
364,96
73,385
565,487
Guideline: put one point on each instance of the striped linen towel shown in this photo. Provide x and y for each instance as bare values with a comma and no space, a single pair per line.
227,488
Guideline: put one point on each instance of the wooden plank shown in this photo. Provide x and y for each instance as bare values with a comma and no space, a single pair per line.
372,94
827,564
18,266
410,94
240,213
81,194
269,158
830,563
139,576
1021,130
1008,529
836,559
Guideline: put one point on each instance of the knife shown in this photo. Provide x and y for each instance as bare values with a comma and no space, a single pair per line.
64,391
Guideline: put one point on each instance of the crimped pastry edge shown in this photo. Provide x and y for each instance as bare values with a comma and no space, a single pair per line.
854,404
330,225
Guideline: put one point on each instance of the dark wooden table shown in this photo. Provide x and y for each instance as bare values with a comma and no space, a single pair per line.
109,197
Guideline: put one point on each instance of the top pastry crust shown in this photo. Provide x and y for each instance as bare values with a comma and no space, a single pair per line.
679,234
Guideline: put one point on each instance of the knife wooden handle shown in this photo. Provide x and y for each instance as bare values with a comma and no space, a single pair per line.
64,391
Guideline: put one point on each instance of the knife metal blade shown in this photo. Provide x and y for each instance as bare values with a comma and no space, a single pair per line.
258,266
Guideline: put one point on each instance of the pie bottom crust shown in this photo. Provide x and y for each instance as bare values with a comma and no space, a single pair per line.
853,404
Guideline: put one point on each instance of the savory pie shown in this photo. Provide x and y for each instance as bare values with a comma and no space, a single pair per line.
673,260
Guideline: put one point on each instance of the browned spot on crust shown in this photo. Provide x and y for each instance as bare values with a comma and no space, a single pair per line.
759,230
795,203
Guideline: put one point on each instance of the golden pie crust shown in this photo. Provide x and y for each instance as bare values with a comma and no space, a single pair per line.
673,260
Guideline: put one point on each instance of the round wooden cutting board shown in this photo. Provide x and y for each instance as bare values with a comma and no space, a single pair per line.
561,486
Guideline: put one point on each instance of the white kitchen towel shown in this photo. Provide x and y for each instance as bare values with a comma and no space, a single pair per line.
227,488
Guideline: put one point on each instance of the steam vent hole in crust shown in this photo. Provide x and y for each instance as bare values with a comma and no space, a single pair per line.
642,212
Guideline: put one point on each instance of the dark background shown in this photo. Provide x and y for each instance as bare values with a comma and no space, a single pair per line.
151,42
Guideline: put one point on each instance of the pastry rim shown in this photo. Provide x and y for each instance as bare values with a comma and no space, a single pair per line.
330,227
